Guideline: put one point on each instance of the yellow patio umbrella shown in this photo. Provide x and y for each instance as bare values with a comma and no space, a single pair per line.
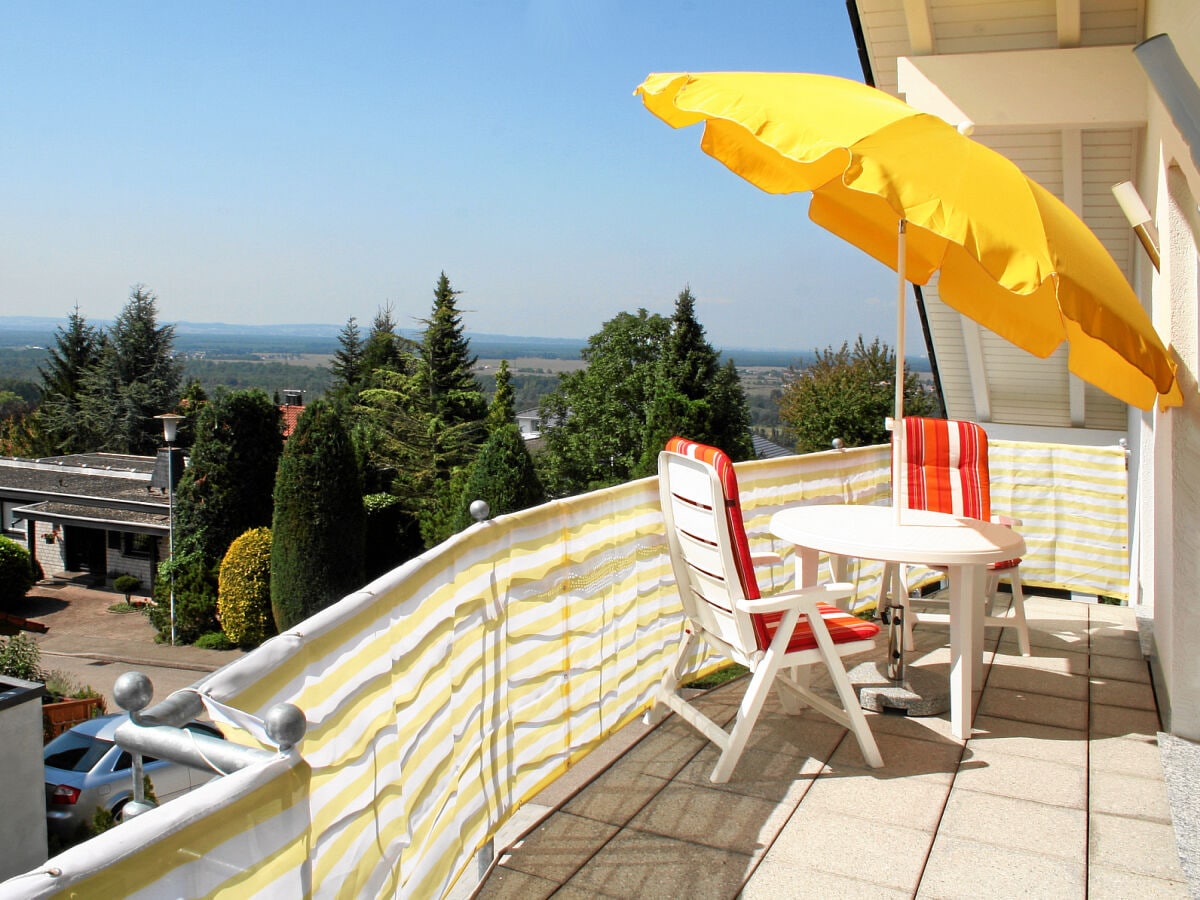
920,197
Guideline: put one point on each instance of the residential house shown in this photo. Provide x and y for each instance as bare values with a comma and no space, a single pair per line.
99,514
1056,86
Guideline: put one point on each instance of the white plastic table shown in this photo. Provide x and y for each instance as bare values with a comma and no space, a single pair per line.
964,546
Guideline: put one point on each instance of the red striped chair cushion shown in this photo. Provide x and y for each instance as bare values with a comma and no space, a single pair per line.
946,467
842,626
718,459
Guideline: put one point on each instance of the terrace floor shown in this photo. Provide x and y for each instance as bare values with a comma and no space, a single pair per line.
1059,793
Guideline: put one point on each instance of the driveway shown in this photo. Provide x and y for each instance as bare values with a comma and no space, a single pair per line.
94,646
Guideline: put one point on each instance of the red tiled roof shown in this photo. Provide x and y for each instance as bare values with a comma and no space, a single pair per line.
291,414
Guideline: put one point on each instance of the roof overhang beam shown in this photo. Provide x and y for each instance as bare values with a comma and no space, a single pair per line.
1081,87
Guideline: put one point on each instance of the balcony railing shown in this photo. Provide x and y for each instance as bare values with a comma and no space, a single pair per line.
444,695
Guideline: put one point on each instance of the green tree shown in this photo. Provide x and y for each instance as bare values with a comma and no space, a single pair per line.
502,410
385,349
393,533
455,411
135,379
244,589
848,393
76,352
16,572
318,528
594,424
456,397
227,487
503,475
694,395
347,365
194,583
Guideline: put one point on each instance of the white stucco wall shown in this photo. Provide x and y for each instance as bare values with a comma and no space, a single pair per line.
23,825
1169,560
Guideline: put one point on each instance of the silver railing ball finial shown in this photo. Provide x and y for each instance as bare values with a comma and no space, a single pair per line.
839,444
133,692
285,724
480,510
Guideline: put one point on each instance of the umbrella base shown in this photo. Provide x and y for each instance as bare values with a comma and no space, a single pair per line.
921,693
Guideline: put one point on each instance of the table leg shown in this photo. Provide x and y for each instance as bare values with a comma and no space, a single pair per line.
966,646
807,562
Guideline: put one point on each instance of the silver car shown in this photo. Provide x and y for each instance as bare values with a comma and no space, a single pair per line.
85,769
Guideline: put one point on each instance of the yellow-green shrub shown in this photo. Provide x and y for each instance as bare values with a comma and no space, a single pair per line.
244,589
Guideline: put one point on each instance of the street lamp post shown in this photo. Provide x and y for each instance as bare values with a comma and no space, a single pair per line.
170,428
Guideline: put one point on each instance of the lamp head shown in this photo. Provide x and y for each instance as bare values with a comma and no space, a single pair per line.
170,423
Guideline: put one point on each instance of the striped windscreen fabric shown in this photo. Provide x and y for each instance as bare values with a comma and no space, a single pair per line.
1073,507
446,694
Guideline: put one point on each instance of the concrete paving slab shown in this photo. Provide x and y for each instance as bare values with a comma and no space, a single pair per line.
654,867
960,868
1008,822
1135,845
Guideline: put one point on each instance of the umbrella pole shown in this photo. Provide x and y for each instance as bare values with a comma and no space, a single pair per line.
898,420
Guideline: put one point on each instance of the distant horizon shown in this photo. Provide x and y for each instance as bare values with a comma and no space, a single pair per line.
10,323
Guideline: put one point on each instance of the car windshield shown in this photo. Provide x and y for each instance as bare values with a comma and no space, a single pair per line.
75,752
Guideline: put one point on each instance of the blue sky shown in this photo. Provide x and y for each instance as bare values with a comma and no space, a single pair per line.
304,162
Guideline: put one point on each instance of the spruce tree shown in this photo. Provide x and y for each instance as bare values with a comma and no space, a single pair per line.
318,530
75,352
454,392
347,365
455,411
385,349
135,379
502,410
693,395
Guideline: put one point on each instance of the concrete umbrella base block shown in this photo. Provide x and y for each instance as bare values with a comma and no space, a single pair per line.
922,693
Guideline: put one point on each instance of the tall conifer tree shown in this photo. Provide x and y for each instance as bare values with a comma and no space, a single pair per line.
136,379
75,352
694,395
318,531
454,392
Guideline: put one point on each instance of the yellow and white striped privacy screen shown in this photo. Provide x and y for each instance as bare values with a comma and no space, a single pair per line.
446,694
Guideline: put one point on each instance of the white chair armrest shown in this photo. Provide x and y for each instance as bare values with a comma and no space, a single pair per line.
766,558
805,598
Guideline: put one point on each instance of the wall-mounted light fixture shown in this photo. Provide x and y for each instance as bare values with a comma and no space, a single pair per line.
1175,86
1139,217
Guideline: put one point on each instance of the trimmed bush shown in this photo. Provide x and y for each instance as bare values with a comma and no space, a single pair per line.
16,572
503,475
319,528
126,584
244,589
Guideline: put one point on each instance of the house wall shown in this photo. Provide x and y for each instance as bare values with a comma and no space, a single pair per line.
1169,559
52,557
49,549
23,825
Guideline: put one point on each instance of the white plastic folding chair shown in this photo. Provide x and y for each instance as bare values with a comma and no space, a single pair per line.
771,636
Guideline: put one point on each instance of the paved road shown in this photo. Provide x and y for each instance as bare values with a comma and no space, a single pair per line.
95,646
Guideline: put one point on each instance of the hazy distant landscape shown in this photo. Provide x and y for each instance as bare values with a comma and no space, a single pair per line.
296,357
